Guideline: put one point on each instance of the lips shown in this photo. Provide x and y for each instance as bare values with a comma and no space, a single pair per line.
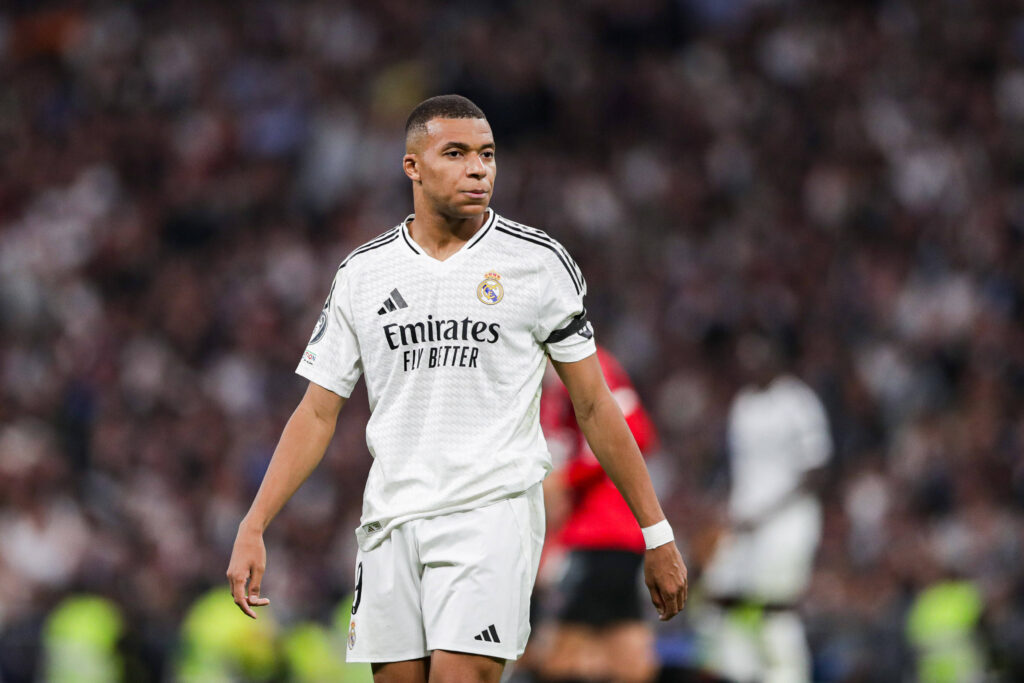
478,194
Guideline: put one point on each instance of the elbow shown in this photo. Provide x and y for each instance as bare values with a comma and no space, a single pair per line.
587,408
314,416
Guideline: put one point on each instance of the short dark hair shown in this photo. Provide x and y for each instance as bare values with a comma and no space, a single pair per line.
442,107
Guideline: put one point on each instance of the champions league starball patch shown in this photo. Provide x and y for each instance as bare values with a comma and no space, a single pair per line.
490,290
321,327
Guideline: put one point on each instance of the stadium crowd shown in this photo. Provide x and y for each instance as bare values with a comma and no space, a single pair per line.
179,180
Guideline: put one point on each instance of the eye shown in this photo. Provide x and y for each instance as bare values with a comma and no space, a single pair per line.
489,154
453,153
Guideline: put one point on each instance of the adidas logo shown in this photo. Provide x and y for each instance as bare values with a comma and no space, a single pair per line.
488,634
392,303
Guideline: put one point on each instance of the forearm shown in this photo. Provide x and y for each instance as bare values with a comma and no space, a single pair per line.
615,448
601,420
299,451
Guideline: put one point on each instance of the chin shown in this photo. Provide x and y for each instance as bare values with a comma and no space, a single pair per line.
470,210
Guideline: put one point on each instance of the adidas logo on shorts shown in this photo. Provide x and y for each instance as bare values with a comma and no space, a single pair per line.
392,303
489,634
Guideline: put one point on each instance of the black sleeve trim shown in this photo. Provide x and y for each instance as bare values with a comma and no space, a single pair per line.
540,234
386,239
579,322
576,285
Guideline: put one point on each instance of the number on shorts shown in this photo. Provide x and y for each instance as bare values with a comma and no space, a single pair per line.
359,588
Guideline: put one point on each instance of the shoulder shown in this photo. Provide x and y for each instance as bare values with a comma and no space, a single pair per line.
796,391
790,385
526,233
541,245
371,251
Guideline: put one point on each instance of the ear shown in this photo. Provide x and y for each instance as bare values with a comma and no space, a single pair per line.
411,167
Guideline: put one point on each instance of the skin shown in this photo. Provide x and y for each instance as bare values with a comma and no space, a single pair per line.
622,653
452,168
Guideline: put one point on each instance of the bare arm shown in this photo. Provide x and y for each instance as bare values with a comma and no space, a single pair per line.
601,421
302,446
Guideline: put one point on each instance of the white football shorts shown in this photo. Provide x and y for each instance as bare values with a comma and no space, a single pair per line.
459,582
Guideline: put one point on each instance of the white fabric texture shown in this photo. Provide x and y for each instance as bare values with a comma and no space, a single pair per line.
459,582
658,534
772,562
776,435
453,353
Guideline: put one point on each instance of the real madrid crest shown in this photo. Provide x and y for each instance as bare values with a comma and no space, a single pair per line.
490,290
352,634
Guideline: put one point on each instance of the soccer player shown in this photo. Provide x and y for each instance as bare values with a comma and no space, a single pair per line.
451,316
778,444
598,631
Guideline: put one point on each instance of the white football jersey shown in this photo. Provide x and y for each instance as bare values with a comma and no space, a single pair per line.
776,434
453,353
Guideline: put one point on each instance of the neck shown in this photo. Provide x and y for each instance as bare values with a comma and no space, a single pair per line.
441,236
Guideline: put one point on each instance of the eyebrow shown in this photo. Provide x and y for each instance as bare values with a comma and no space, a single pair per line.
463,146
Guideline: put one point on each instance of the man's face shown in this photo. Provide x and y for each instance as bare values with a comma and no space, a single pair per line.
453,163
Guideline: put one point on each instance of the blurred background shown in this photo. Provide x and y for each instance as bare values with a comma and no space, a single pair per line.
180,179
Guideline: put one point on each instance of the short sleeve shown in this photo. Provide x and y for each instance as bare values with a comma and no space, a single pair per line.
332,359
562,326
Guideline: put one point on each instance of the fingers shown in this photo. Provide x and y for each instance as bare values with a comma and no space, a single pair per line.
245,589
672,605
253,596
255,579
237,582
676,596
659,603
667,581
245,571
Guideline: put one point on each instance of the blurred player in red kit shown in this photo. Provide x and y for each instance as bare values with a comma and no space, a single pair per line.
598,631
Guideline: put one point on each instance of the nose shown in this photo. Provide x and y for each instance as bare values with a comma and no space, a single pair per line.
475,167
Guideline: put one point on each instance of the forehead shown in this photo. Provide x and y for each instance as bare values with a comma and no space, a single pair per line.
472,132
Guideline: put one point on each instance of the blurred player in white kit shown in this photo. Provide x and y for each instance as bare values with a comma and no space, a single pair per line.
778,441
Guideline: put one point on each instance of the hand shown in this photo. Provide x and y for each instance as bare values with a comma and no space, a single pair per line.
665,576
245,570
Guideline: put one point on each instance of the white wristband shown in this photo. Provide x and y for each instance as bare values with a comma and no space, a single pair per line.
657,534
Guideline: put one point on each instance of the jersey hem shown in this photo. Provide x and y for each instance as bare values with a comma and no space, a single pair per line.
369,541
322,381
573,354
501,653
385,658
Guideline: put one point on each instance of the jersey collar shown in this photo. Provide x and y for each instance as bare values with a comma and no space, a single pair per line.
492,218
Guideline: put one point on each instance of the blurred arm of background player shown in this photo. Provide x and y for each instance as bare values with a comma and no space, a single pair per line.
812,482
601,421
302,446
